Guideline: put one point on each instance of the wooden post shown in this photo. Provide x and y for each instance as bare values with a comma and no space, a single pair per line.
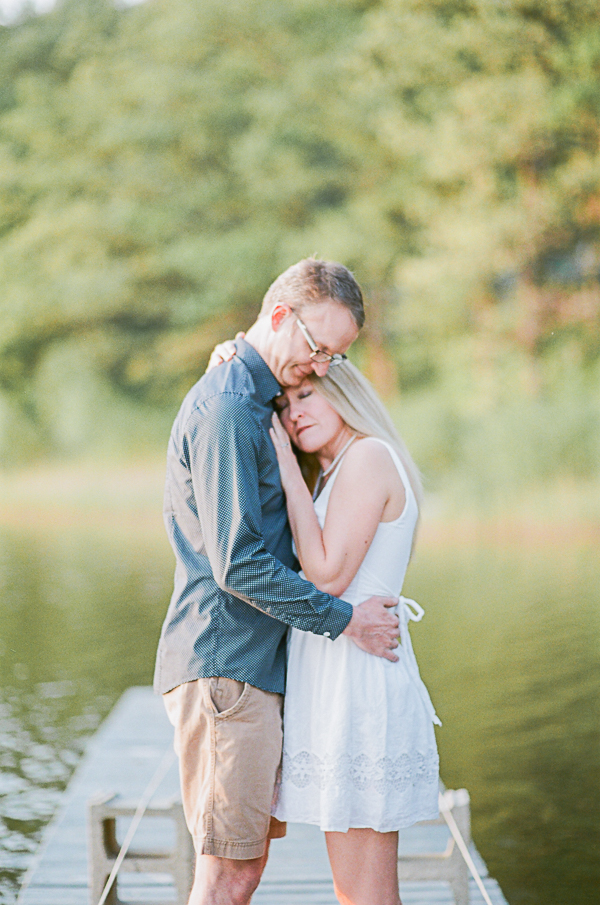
448,866
103,848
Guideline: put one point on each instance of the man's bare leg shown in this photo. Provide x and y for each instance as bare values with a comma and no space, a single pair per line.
225,881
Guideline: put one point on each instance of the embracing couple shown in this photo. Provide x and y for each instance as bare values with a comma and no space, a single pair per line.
284,454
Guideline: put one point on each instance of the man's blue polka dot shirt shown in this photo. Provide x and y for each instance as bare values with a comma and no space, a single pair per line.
236,588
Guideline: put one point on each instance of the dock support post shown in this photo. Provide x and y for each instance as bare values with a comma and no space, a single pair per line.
103,848
448,866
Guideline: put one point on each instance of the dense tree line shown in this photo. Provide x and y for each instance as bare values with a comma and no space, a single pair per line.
159,165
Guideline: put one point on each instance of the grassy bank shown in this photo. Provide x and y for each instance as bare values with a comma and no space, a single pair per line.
128,497
107,495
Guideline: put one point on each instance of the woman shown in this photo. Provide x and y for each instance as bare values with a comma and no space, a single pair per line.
360,758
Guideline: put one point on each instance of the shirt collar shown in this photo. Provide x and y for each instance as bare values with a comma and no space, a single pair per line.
264,380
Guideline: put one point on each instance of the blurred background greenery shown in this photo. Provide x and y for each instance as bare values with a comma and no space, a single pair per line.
161,164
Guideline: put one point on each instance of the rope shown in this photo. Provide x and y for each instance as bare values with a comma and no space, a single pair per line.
161,772
458,838
159,775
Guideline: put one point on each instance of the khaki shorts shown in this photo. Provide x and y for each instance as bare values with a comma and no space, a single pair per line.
228,737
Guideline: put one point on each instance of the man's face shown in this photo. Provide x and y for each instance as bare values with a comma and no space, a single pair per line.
332,328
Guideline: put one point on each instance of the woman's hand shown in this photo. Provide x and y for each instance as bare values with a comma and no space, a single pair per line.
223,352
288,463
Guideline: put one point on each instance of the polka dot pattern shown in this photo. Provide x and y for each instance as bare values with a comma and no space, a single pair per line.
236,589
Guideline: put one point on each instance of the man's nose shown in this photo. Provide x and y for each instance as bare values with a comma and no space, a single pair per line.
320,368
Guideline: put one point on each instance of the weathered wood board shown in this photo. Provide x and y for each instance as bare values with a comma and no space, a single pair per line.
122,758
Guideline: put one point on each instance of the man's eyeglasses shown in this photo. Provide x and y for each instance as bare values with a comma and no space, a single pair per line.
319,355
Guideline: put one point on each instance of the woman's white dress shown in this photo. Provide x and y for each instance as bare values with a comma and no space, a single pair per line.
359,745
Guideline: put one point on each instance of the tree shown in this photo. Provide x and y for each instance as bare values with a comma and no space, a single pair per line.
160,165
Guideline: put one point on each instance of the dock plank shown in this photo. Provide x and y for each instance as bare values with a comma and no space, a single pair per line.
122,758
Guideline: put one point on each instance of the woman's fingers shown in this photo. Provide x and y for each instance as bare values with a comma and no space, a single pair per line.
279,429
281,442
280,450
223,352
227,350
275,435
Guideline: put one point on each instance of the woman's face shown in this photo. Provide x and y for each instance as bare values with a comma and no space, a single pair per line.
309,420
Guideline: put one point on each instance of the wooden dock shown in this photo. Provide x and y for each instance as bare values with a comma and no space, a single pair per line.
122,758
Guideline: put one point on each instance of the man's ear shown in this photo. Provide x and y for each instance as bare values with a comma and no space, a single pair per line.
279,315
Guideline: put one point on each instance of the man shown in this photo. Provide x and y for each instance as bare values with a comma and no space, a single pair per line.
221,656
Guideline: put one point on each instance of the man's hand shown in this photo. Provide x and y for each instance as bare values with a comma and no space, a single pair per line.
375,628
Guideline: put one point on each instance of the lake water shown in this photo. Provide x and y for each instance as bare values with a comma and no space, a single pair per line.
509,647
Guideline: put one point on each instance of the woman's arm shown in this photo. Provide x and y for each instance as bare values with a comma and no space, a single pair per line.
366,483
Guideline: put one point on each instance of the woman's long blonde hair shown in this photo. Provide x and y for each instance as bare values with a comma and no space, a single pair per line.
355,400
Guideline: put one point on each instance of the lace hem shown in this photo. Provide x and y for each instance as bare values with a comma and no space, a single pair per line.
362,772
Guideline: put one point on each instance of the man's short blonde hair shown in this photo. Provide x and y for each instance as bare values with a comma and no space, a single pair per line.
310,282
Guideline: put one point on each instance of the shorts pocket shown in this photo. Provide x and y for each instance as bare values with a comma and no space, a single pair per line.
226,696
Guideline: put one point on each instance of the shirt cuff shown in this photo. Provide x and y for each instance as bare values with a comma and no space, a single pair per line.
336,620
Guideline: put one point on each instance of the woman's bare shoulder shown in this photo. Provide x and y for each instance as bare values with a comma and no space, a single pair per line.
369,461
368,451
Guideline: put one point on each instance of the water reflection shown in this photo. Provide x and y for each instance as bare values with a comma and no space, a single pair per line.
509,648
79,623
41,739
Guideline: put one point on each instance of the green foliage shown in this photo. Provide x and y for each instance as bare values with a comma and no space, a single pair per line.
480,447
161,164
